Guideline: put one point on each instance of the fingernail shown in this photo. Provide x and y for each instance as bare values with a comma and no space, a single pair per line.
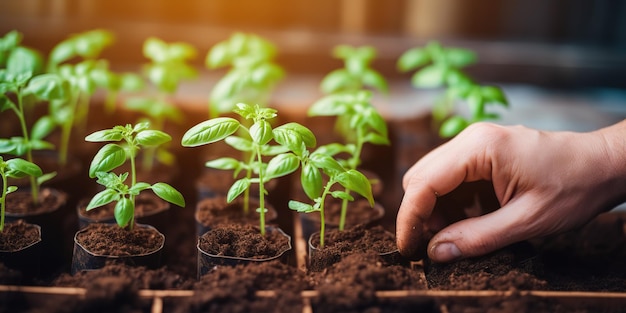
445,252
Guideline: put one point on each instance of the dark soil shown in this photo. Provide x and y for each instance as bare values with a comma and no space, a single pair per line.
18,235
234,289
244,241
215,211
21,203
338,244
350,285
109,239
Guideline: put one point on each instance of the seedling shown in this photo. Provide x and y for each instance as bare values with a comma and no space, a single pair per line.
14,168
290,137
356,74
252,75
168,68
312,183
84,77
20,83
113,155
441,67
358,121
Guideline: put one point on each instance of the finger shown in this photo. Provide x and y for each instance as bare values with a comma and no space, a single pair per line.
438,173
481,235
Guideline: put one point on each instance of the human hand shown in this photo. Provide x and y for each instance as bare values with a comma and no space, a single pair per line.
546,182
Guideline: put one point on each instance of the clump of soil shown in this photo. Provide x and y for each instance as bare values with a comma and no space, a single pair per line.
18,235
234,289
109,239
511,268
338,244
245,241
351,284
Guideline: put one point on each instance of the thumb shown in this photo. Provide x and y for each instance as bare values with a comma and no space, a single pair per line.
481,235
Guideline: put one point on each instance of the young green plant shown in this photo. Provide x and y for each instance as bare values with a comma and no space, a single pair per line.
113,155
167,69
20,82
257,145
252,75
313,165
13,168
441,67
84,77
357,120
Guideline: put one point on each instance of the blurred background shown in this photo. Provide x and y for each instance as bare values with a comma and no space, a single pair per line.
558,51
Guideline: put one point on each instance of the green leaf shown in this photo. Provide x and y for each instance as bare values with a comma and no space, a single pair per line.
493,94
284,135
429,77
218,56
43,127
281,165
356,181
223,163
237,188
169,194
412,59
210,131
459,57
48,87
105,135
326,163
37,144
103,198
311,181
376,80
45,177
261,132
239,143
18,168
108,158
301,207
376,139
342,195
476,104
452,126
152,138
138,188
11,189
332,105
455,77
63,51
338,80
124,212
24,60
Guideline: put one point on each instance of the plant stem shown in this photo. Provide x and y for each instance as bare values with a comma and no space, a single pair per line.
133,177
261,192
110,101
3,199
34,188
322,217
66,129
353,163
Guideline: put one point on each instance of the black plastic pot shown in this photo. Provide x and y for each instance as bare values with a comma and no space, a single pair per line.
27,259
389,257
84,259
55,242
208,262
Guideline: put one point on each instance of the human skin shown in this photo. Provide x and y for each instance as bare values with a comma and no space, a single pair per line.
545,182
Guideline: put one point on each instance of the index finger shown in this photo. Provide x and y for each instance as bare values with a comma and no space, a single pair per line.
436,174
